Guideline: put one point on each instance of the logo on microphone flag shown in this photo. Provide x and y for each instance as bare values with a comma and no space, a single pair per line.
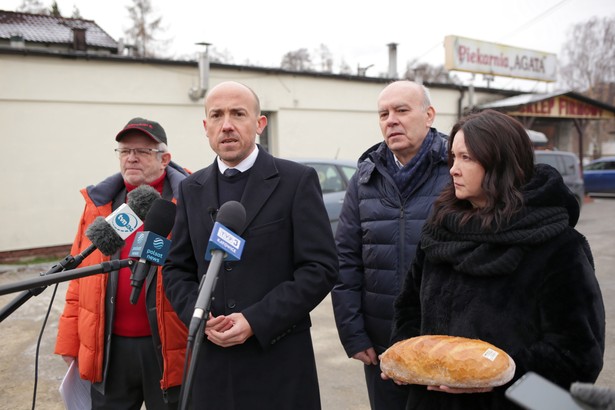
124,221
158,243
151,247
226,240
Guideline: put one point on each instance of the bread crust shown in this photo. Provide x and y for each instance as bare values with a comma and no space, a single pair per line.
447,361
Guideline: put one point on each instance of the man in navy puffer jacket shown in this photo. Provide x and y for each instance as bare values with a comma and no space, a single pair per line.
387,202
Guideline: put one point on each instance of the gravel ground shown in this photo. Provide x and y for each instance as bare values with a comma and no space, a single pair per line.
341,379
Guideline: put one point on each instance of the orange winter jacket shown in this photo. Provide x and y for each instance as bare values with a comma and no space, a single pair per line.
81,329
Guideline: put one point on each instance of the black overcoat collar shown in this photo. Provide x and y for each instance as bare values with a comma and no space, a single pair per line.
262,181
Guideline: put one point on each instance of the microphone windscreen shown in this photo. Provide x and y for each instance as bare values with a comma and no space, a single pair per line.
141,199
597,396
103,236
232,215
160,218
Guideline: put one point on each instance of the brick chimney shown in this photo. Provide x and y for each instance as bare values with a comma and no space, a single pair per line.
79,42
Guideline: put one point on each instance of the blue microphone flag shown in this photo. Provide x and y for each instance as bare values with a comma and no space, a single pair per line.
150,247
225,240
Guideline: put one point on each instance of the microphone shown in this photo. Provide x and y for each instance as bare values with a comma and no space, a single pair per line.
151,245
141,199
108,234
103,237
223,243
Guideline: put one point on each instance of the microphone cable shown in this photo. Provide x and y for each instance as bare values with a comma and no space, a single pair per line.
38,345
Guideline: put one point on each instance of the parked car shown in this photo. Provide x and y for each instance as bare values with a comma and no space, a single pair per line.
334,175
599,176
567,163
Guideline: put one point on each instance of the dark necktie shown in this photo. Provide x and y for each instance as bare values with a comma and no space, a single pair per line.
231,172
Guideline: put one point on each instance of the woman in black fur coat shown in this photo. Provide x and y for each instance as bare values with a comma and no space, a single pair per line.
500,261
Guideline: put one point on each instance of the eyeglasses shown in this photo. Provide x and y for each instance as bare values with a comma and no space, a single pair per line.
138,152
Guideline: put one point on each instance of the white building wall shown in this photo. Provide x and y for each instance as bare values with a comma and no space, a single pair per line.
59,117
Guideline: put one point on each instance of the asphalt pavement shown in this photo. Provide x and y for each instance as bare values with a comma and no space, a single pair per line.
341,379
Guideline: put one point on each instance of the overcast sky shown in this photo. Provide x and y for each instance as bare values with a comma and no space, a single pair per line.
262,31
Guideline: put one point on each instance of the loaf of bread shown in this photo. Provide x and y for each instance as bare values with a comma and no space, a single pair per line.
447,361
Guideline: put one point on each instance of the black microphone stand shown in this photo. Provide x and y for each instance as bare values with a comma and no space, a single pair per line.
69,262
66,275
230,211
192,353
196,331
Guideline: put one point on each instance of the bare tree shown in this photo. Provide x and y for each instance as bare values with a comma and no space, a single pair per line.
588,54
298,60
587,67
345,68
33,7
76,13
37,7
425,72
220,56
143,34
325,58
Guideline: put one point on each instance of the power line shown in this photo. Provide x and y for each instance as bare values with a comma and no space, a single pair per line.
522,27
542,15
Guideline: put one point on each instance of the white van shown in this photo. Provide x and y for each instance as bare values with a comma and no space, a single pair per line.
567,163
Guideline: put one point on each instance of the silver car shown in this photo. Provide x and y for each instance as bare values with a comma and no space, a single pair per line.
567,163
333,175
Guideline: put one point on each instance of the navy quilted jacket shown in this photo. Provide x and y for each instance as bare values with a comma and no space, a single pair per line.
376,239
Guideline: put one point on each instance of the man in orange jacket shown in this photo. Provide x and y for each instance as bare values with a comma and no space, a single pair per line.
131,353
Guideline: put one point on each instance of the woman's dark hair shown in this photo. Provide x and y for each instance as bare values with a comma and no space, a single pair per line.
502,146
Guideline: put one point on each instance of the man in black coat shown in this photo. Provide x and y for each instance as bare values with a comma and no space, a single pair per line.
258,351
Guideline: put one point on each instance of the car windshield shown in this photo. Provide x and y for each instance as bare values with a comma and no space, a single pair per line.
600,165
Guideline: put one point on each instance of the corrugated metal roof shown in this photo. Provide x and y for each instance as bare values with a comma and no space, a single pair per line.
520,100
40,28
523,99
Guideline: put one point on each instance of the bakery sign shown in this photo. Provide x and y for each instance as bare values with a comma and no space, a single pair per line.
562,107
475,56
